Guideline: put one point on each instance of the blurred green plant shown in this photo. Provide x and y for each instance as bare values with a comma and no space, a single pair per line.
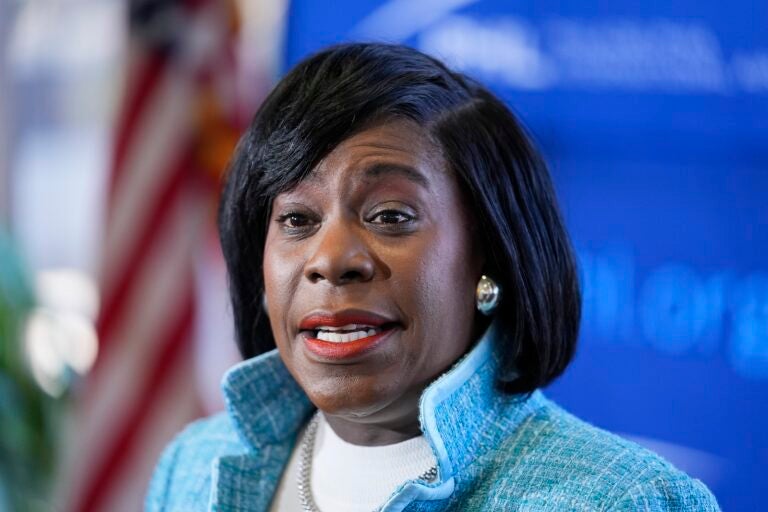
28,417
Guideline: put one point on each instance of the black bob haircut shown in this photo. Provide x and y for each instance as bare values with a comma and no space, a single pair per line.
345,89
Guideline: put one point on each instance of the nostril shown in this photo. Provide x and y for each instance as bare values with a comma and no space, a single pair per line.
341,264
351,275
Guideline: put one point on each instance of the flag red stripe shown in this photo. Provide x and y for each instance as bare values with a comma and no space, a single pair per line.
149,72
116,298
122,450
106,473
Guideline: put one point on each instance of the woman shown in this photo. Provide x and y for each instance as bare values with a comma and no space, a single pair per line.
388,226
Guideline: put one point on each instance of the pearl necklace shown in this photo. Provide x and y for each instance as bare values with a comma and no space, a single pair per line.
305,467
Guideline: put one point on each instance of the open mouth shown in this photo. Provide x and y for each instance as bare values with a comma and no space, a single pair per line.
347,333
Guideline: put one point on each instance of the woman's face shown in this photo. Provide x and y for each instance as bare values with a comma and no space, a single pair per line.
370,268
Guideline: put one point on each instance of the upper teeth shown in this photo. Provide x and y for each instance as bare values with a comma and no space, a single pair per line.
348,327
352,332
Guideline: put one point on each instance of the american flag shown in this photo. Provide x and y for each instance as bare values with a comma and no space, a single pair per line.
177,125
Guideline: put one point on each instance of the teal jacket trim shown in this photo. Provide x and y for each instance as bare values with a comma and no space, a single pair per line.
494,451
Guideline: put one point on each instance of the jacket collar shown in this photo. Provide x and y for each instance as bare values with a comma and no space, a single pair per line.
266,404
462,414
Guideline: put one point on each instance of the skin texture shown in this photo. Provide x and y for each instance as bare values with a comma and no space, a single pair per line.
360,233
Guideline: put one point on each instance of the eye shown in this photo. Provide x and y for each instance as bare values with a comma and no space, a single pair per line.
295,222
391,217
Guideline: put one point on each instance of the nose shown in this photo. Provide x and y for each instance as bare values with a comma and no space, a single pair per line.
341,256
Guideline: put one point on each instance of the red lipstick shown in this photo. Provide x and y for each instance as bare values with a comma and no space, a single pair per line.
345,350
342,318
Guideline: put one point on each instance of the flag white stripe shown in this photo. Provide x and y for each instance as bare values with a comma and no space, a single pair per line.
157,145
158,139
153,304
164,279
174,405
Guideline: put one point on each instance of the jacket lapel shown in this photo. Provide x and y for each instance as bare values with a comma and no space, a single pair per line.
267,408
246,482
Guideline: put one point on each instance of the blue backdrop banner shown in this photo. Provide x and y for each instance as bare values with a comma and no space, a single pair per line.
653,117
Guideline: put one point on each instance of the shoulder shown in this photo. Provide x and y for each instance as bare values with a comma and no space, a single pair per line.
183,473
557,461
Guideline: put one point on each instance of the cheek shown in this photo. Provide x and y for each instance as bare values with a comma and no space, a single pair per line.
442,293
281,273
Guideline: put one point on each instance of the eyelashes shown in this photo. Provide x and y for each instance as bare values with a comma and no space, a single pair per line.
391,216
294,220
385,220
297,224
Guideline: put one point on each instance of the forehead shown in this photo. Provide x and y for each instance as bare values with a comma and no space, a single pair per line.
397,148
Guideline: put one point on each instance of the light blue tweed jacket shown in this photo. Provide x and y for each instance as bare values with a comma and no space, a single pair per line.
494,451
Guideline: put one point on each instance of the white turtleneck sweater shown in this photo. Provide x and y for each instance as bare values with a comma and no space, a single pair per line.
351,478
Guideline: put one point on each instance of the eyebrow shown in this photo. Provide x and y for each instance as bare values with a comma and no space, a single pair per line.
378,170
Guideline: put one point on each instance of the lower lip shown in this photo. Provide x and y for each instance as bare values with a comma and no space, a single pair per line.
345,350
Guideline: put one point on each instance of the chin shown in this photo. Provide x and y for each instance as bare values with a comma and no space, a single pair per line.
351,396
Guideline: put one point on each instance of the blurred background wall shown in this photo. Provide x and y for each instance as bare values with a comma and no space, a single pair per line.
116,120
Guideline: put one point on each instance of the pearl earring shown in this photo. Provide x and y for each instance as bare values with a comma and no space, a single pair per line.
487,295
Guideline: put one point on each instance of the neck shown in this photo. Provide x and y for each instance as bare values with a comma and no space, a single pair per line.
381,428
